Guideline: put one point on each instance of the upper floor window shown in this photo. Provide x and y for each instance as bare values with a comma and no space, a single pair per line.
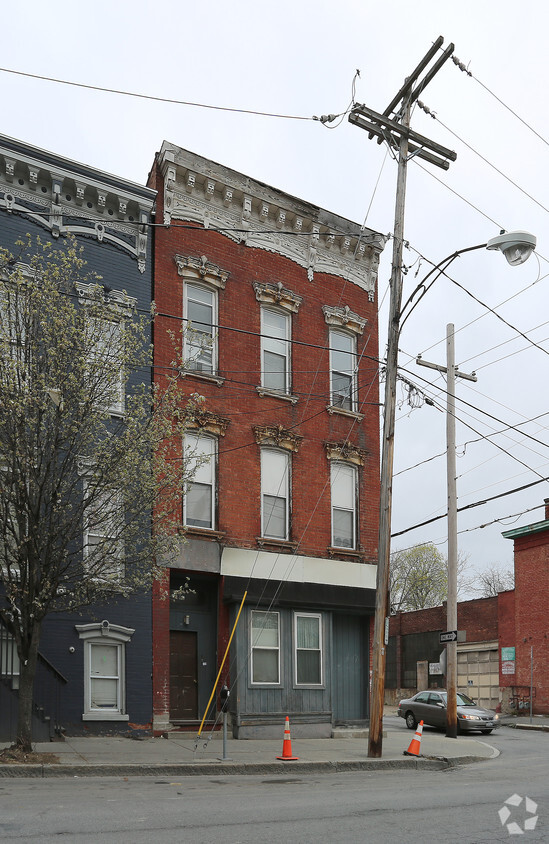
275,493
200,310
105,374
199,498
343,487
103,532
106,314
343,366
275,350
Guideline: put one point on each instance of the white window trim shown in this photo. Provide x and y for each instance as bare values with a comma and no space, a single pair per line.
320,684
196,436
335,466
285,495
102,633
254,646
267,340
353,374
187,354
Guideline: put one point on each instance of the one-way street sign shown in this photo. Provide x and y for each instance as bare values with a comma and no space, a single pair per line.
450,636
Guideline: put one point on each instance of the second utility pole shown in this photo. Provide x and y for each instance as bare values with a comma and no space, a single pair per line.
451,600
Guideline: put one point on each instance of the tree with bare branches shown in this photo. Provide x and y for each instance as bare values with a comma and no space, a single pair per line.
86,447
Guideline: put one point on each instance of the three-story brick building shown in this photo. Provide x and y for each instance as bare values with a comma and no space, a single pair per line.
274,302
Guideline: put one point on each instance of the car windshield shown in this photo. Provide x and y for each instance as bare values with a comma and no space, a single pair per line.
461,699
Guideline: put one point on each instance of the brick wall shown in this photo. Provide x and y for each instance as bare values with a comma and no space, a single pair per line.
479,619
239,364
531,615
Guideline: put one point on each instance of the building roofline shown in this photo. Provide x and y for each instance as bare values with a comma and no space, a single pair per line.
170,152
527,530
76,168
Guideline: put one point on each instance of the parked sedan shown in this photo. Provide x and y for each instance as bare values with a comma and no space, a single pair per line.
430,707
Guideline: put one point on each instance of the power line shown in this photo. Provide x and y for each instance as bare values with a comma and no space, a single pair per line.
471,506
153,98
466,70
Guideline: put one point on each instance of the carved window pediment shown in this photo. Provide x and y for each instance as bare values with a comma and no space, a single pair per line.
194,267
346,452
344,318
207,421
276,435
277,294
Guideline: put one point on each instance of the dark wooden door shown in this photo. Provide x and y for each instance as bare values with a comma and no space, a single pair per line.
183,676
350,690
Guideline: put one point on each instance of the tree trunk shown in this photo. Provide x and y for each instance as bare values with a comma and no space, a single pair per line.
26,690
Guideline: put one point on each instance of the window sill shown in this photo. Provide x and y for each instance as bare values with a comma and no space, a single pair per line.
200,376
105,716
345,552
278,544
276,394
341,411
203,533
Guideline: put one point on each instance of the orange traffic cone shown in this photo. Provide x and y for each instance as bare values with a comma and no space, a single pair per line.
415,744
287,744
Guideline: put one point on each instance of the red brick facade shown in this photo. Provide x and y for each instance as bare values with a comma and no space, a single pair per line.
305,417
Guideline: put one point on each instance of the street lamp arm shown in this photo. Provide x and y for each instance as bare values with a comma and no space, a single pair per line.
441,267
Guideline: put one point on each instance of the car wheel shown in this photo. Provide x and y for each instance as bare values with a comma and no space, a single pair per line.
411,722
486,732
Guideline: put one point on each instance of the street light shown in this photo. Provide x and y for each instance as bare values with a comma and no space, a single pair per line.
517,247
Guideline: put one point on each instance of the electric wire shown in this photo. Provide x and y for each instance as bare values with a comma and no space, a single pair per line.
153,98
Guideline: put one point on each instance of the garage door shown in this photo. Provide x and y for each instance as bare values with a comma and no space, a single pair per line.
478,672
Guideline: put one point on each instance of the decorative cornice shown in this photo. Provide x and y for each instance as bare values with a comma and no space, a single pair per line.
104,628
278,436
206,420
347,452
344,318
198,190
68,198
116,301
277,294
190,266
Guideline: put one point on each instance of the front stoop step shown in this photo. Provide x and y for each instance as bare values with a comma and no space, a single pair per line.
352,733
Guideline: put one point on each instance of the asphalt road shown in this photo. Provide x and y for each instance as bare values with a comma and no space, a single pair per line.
460,805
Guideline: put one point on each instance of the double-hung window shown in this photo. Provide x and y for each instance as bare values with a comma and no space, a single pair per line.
343,498
275,493
308,649
104,670
199,499
103,532
275,350
265,647
200,337
105,356
343,364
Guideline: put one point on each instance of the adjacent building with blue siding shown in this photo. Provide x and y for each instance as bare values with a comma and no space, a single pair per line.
44,194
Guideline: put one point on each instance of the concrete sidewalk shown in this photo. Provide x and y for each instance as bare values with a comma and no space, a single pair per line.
181,755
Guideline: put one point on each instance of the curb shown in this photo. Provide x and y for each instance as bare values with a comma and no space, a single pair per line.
539,728
240,769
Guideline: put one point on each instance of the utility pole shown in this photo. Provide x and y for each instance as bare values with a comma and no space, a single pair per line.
397,133
451,602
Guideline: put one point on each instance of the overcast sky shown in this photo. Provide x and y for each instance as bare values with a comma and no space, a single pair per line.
298,57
